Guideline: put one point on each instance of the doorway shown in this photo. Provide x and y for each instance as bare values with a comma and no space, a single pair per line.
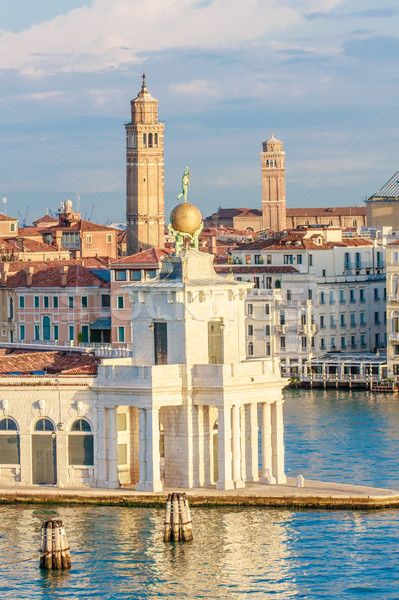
215,342
44,454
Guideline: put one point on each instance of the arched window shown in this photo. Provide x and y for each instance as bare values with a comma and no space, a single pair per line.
150,140
80,443
44,425
250,349
9,442
144,140
395,284
12,227
267,163
46,328
277,284
156,140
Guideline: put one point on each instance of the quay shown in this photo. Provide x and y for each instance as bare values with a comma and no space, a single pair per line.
338,370
314,495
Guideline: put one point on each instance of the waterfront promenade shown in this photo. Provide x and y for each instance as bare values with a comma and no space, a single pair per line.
314,494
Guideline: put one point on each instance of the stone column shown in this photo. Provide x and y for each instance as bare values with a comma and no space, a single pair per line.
224,453
140,485
25,441
113,481
236,447
278,442
208,449
266,440
150,475
100,455
62,459
251,419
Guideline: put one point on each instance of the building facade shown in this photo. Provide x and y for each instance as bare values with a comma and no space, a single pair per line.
145,211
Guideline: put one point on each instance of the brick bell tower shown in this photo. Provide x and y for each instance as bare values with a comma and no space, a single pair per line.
273,185
145,210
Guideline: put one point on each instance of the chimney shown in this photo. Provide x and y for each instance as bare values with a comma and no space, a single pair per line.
64,273
4,271
213,245
57,236
29,274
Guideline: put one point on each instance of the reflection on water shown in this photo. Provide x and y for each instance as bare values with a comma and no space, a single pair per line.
236,553
254,553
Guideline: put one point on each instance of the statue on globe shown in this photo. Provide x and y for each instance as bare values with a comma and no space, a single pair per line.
185,219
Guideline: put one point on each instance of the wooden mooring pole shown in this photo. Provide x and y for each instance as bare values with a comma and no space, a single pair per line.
54,549
178,525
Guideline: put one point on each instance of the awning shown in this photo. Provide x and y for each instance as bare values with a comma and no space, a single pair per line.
104,323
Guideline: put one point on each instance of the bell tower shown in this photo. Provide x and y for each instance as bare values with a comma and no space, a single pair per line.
145,211
273,185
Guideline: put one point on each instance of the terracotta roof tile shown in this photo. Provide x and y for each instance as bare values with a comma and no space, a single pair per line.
50,276
335,211
6,218
25,362
152,256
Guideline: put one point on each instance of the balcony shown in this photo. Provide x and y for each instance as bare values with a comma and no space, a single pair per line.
280,328
393,337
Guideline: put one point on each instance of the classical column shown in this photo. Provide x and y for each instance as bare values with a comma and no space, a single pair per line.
266,445
140,485
62,459
251,421
224,449
236,447
113,481
278,442
149,457
200,445
25,441
100,456
208,448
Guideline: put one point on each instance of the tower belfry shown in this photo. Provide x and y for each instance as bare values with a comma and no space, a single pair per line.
273,185
145,211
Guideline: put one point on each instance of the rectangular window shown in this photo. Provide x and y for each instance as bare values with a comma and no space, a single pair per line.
332,301
258,259
120,302
310,260
22,332
121,334
322,300
310,295
358,260
361,295
109,238
80,449
322,343
347,260
250,330
56,333
85,334
353,322
333,343
299,259
120,275
45,302
352,296
362,340
303,343
353,341
342,320
9,448
37,332
267,309
250,309
122,454
288,259
289,296
89,239
322,325
37,302
84,302
70,301
269,259
55,301
22,302
376,294
332,321
121,421
362,319
71,333
313,341
269,283
342,296
376,318
282,343
105,301
268,349
267,330
343,342
134,275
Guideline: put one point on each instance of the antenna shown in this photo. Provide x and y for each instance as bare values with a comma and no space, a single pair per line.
5,205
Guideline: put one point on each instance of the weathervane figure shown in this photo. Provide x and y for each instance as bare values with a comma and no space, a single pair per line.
185,182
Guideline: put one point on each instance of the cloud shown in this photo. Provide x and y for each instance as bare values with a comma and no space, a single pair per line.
38,96
111,33
196,87
373,49
372,13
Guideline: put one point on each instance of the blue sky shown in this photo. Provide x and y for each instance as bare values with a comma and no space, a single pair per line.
322,74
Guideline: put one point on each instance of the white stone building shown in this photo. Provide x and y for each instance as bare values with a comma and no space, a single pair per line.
184,412
333,300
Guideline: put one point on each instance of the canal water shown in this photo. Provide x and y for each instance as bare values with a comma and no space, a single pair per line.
118,553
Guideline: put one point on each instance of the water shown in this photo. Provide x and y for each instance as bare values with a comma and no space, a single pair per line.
237,553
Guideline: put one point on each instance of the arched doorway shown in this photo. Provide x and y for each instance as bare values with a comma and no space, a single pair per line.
215,451
46,328
44,455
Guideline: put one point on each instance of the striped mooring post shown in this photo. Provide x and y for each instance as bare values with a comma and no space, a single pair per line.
54,549
178,524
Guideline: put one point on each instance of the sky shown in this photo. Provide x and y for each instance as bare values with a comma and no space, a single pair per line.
323,75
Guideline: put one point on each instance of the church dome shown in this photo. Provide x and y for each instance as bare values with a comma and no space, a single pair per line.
186,218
